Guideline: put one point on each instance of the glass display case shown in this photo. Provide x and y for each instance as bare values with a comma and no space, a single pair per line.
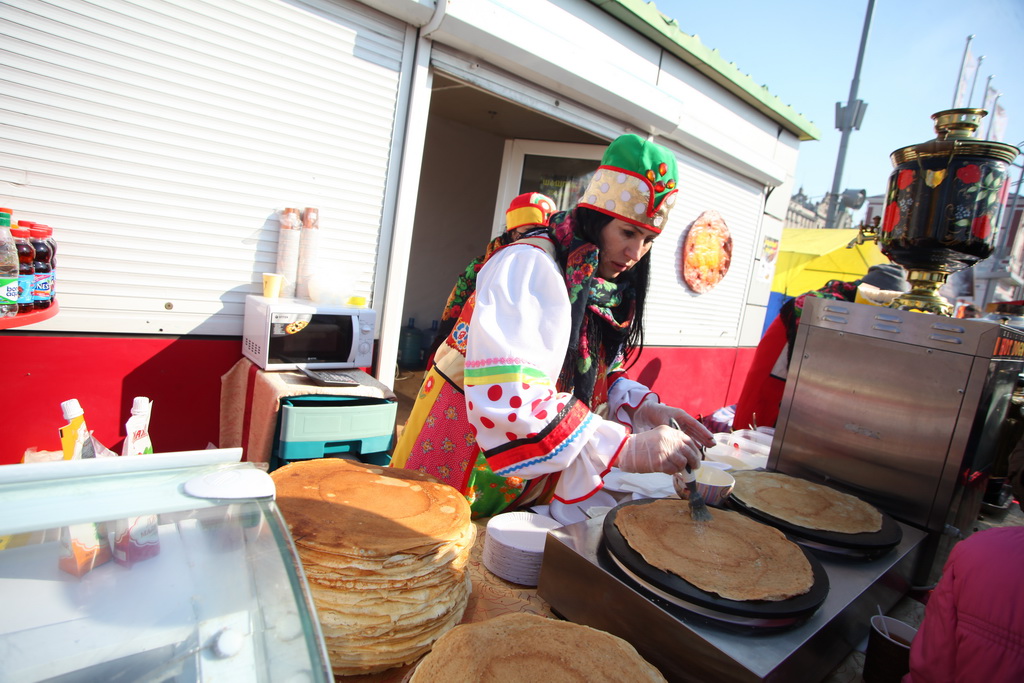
165,567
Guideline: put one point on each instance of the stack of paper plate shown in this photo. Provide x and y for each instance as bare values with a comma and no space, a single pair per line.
514,545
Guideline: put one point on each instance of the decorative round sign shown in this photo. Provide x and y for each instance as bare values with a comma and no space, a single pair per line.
707,252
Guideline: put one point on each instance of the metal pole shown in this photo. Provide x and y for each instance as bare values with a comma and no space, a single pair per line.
1005,234
849,114
984,96
1005,250
974,81
1013,213
963,63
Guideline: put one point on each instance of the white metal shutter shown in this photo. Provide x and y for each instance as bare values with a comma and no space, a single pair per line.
159,138
675,315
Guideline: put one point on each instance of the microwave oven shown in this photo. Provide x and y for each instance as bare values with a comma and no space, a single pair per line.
287,334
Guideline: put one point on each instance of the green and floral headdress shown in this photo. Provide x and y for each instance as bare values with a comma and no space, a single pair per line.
637,181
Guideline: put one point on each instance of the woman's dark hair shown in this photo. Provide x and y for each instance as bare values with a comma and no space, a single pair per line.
589,224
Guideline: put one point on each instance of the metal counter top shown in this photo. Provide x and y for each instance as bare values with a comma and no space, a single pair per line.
581,584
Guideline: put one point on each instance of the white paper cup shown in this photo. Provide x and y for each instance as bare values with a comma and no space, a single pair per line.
713,484
272,285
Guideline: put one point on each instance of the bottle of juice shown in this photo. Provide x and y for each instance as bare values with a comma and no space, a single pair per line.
53,261
42,284
26,270
48,238
8,267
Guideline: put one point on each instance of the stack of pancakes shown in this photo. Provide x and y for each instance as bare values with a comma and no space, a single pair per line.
517,647
384,551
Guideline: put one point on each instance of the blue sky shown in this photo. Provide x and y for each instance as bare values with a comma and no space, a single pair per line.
805,52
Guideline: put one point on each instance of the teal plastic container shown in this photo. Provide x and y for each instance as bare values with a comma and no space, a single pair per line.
329,426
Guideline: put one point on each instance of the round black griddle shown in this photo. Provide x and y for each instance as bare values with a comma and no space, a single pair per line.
866,546
753,613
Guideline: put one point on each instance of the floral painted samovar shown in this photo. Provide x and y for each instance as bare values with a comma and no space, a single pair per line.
943,204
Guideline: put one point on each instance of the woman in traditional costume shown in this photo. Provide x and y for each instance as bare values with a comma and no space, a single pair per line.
527,397
528,210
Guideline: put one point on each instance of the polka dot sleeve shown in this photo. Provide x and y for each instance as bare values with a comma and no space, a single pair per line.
517,343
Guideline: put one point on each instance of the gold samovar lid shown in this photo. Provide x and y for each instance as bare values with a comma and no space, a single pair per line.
956,131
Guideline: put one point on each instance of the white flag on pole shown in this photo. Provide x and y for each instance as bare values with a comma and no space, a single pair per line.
991,95
963,86
998,130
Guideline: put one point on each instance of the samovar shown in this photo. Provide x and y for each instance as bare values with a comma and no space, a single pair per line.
942,206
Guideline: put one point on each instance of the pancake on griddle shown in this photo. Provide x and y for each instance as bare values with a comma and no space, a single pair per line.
384,552
731,556
805,504
526,648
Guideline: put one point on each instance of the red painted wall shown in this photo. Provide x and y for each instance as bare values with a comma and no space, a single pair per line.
698,380
182,377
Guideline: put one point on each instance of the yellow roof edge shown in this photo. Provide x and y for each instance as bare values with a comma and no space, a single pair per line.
645,18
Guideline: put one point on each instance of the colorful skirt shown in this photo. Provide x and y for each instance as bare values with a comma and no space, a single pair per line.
438,440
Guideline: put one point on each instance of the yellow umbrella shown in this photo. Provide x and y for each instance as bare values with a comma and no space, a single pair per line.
809,258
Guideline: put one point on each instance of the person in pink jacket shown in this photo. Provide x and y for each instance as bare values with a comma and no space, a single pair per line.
973,628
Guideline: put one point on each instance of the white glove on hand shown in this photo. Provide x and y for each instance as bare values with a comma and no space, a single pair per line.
661,449
652,413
